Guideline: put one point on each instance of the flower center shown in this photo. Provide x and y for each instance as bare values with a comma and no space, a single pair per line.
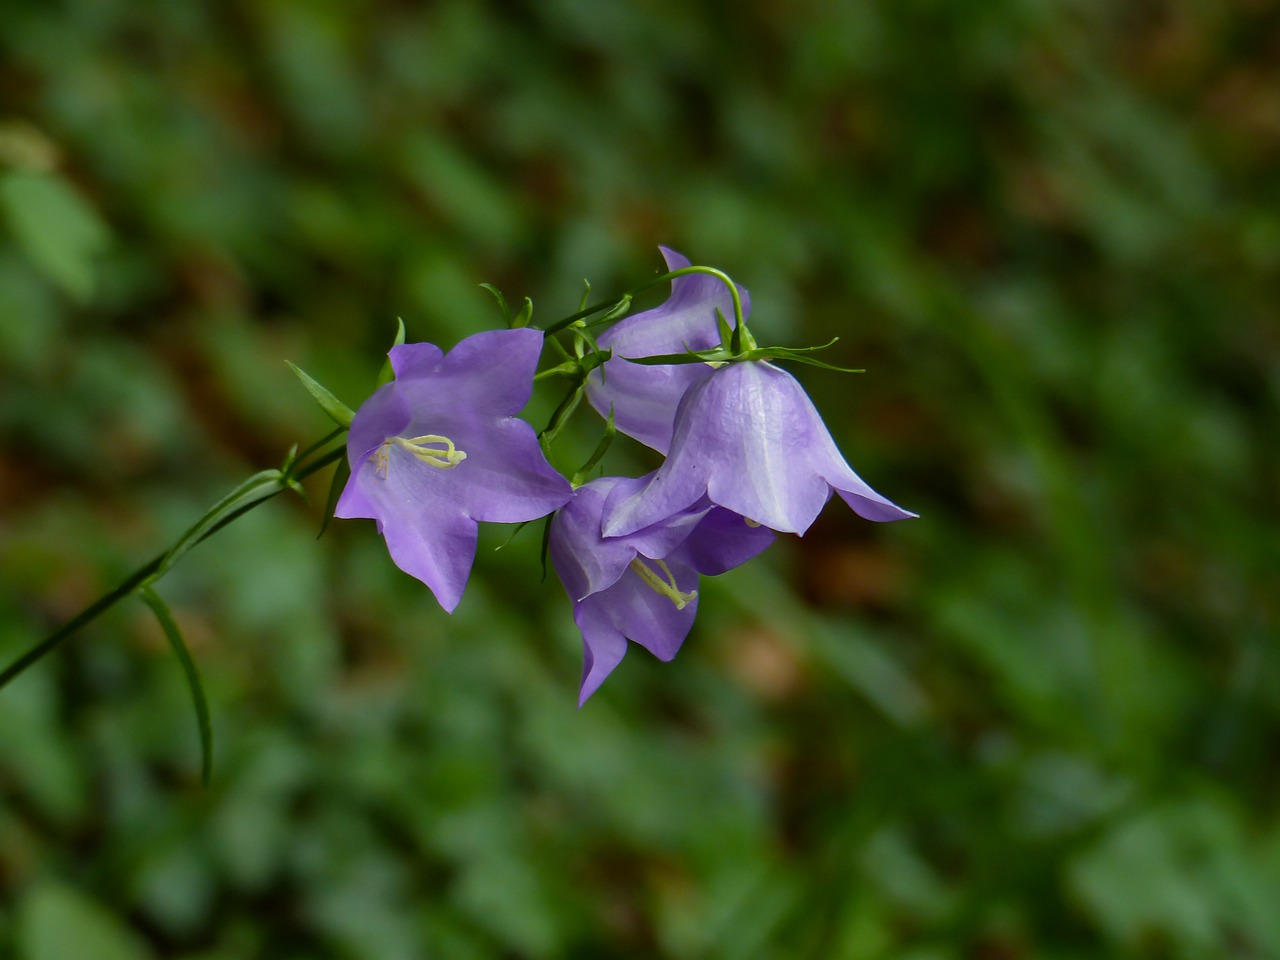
431,448
657,584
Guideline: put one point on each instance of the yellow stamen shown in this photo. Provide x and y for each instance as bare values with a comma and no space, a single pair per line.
431,448
657,584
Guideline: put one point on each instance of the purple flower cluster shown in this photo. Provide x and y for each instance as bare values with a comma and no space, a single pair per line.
747,455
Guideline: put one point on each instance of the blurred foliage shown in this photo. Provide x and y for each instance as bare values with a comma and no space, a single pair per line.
1041,721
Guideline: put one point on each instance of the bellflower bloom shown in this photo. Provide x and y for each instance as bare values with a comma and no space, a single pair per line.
644,398
643,586
439,449
748,438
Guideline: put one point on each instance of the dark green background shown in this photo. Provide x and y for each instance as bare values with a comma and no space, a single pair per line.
1041,721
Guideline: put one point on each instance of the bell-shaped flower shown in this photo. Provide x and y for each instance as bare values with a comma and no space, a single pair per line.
641,587
439,448
644,398
748,438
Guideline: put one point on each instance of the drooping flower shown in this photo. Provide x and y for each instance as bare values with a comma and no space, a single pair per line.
643,586
749,439
439,448
644,398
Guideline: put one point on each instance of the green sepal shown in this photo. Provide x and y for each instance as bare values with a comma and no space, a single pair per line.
546,546
339,482
726,332
337,411
596,358
592,356
586,292
525,316
617,311
174,635
387,373
714,355
514,533
800,355
721,355
521,319
502,302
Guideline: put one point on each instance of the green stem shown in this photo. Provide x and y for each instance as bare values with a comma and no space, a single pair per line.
739,320
145,574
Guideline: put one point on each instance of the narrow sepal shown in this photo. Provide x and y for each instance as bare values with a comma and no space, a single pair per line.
525,316
388,373
336,410
340,477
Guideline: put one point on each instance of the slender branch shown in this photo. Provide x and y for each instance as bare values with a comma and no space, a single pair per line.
144,574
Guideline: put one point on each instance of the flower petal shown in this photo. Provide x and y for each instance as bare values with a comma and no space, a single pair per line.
585,561
643,615
488,373
644,398
385,414
664,495
721,541
504,479
427,536
603,648
749,438
410,361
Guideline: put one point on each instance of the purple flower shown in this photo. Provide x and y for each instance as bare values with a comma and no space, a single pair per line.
644,398
643,586
439,448
748,438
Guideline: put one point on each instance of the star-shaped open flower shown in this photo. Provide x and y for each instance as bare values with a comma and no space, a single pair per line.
439,448
644,399
641,587
749,439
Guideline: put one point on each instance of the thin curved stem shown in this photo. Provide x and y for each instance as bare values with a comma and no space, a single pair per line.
739,320
144,575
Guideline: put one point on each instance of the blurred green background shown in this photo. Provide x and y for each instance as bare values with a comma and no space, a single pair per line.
1041,721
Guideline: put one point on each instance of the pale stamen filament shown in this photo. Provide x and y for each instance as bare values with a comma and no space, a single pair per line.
657,584
431,448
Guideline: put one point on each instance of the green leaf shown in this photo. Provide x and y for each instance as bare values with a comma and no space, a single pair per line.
338,411
174,635
56,922
56,228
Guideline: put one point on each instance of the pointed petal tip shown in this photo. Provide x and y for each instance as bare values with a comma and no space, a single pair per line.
674,258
